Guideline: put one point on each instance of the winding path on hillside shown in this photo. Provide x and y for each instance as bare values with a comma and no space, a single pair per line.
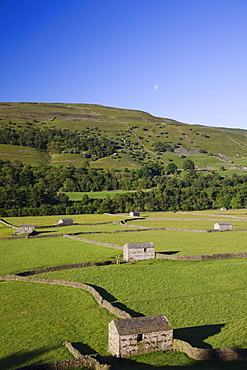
236,142
144,146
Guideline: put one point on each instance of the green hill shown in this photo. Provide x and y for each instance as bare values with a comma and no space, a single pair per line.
105,137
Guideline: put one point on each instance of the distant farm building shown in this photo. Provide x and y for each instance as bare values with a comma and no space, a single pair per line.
135,214
223,226
65,222
138,251
25,229
139,335
223,209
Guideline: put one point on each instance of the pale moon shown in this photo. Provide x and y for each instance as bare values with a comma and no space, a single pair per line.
156,87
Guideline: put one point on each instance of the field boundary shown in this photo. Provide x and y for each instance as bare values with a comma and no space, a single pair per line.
218,256
89,241
72,284
66,267
92,362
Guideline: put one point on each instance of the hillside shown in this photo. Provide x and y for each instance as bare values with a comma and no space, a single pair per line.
105,137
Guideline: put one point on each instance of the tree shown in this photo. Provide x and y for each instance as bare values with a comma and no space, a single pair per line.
171,168
188,165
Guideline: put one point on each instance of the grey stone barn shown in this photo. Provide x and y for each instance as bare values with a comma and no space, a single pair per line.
127,337
223,226
65,222
138,251
25,229
134,214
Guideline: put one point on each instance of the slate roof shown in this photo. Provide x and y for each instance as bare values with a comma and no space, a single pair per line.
27,225
141,325
139,245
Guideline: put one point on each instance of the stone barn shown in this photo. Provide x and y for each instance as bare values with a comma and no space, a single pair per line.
65,222
138,251
25,229
223,226
135,214
127,337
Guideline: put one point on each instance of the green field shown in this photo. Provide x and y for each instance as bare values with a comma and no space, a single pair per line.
26,155
204,301
95,194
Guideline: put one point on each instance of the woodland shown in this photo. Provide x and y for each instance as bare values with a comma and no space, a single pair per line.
42,190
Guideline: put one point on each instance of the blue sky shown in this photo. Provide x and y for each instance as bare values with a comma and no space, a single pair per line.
181,59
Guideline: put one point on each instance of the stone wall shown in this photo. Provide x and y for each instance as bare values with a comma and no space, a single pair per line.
73,284
89,241
151,342
75,223
218,256
87,361
202,354
66,267
5,223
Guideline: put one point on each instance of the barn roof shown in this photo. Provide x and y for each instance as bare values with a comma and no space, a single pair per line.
140,325
27,225
139,245
223,223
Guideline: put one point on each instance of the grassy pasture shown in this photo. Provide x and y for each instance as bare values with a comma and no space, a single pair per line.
182,242
208,297
204,301
27,155
22,255
196,224
191,294
122,161
95,194
36,320
51,220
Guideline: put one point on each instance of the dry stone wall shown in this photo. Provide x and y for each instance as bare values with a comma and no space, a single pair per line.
109,245
73,284
202,354
218,256
5,223
66,267
87,361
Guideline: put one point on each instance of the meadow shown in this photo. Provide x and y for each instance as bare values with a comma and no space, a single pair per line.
75,196
204,301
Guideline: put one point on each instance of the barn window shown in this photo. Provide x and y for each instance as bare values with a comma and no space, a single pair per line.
145,250
139,337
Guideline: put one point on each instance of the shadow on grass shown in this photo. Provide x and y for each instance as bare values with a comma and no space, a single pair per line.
19,359
84,349
196,335
169,252
110,298
121,363
35,233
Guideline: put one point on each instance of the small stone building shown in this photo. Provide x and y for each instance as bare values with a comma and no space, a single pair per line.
25,229
127,337
223,226
138,251
135,214
65,222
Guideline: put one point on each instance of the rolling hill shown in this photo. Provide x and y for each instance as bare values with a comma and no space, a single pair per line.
69,134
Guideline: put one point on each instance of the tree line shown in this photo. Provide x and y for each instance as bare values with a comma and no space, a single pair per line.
26,190
55,140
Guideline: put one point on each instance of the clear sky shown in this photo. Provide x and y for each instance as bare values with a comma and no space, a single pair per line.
180,59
